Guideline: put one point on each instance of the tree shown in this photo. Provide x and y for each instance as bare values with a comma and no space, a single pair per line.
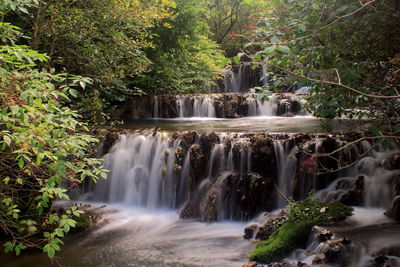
347,51
100,39
184,59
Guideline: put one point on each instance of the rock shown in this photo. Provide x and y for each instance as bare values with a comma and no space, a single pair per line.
189,211
318,260
110,139
381,260
263,156
394,211
249,231
254,193
250,264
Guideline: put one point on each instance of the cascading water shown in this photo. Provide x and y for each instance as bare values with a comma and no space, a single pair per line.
260,107
156,107
196,106
233,80
141,172
144,173
286,165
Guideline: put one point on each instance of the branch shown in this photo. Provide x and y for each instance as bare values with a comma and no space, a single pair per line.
354,142
335,21
334,83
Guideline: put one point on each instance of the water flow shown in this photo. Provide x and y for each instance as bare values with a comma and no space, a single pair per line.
260,107
370,175
156,107
233,80
141,172
286,165
196,106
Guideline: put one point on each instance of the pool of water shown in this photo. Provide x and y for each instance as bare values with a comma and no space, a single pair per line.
137,237
271,124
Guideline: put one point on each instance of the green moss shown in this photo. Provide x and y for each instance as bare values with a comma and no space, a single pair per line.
289,236
294,232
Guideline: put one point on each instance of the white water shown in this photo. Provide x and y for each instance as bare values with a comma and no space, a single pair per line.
196,106
141,172
260,107
286,164
233,80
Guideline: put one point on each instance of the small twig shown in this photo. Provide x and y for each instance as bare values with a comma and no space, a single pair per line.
281,193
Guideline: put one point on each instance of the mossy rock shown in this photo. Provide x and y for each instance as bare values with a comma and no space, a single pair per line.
289,236
294,232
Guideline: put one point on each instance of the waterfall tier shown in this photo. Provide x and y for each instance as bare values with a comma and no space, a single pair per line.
228,105
233,176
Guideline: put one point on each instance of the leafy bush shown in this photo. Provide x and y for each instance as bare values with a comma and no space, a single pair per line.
44,150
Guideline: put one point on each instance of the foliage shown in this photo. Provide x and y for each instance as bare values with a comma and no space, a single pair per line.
184,59
44,150
347,51
232,22
100,39
293,233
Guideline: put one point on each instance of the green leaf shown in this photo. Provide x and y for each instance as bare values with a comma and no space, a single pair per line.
59,232
17,251
270,50
82,84
21,162
73,92
225,62
236,59
51,252
283,49
7,140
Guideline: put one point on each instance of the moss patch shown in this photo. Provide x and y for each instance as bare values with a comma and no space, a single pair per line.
289,236
294,232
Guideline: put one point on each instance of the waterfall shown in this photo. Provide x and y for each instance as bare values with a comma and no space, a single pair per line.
286,164
195,106
264,77
156,107
203,107
141,172
233,80
260,107
370,176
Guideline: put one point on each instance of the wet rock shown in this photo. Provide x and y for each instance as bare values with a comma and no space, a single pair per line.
263,156
319,260
249,231
254,193
354,196
110,139
394,211
250,264
136,108
189,211
187,139
381,260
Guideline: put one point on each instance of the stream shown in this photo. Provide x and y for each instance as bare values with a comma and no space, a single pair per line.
187,178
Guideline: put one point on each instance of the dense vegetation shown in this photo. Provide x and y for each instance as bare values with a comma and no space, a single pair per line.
43,145
346,51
